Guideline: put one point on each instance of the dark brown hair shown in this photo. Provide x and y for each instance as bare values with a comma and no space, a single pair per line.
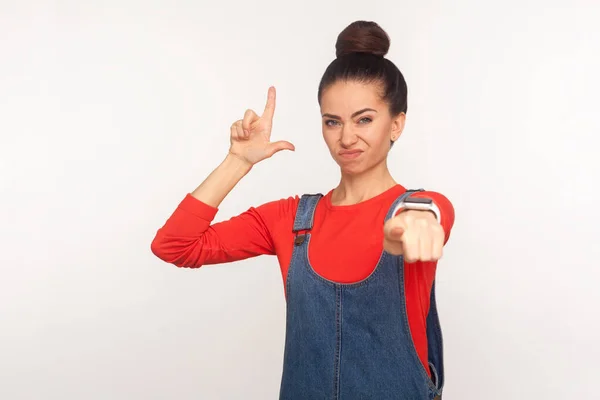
360,56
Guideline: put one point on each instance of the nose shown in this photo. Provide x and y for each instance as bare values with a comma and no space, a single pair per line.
348,137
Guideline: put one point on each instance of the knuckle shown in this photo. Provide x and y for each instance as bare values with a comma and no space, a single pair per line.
406,216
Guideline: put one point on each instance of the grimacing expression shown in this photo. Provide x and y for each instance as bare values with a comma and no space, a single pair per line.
357,125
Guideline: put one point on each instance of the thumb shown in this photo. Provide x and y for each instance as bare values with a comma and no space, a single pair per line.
274,147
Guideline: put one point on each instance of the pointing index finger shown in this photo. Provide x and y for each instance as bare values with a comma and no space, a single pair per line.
270,106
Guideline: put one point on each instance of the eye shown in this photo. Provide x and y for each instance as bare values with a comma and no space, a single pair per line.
365,120
331,122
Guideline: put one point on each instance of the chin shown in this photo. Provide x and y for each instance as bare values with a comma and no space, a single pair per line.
351,169
358,167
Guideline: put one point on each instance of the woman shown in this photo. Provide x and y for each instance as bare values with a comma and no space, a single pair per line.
361,313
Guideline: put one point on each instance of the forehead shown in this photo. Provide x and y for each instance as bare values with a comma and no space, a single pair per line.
349,96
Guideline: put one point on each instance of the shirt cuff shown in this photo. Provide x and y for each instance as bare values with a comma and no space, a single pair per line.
192,205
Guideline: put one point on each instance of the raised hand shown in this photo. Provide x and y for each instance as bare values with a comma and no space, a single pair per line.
251,136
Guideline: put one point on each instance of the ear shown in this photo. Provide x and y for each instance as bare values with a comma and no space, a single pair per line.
397,126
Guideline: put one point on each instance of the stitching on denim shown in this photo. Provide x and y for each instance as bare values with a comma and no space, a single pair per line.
295,254
438,331
299,213
312,210
413,349
308,203
338,343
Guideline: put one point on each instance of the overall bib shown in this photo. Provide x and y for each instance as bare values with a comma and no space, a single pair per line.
352,341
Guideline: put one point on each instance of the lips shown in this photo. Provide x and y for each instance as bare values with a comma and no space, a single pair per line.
350,153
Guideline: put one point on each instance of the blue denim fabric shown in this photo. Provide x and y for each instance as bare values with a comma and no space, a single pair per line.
352,341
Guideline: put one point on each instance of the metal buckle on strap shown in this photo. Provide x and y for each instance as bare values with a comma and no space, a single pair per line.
300,238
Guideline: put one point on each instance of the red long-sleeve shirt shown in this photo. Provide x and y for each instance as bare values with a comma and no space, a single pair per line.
345,245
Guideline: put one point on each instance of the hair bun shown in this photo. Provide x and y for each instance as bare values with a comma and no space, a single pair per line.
362,37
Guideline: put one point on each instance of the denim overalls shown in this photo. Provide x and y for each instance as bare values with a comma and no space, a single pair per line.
352,341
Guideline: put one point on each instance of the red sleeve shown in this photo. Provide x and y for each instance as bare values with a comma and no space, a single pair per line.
188,239
445,207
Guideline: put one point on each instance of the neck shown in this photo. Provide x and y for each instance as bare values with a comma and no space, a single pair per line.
354,189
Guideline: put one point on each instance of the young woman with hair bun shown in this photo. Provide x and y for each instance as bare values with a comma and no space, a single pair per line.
358,262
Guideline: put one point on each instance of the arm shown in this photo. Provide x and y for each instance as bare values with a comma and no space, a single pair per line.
221,181
188,239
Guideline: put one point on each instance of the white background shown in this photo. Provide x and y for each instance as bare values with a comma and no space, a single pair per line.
110,114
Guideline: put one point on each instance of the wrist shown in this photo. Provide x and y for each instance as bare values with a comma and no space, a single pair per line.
427,214
421,205
236,163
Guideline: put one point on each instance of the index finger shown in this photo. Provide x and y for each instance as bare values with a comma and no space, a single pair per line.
270,106
393,231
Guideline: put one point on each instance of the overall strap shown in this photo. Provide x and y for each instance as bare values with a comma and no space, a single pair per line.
305,213
401,198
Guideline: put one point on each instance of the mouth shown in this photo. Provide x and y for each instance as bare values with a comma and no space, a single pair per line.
350,154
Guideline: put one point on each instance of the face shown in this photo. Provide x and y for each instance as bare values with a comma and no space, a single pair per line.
357,125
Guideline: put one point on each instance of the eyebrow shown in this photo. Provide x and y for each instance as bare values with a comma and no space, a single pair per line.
353,115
